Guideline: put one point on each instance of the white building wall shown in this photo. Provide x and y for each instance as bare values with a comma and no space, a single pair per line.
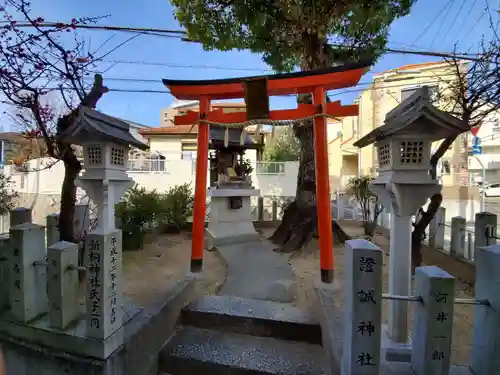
44,180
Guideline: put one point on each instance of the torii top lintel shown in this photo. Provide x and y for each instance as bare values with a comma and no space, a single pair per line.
336,77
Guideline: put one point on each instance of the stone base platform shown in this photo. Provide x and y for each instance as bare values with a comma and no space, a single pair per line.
230,225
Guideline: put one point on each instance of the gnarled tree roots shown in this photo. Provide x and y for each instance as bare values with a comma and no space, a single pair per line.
298,226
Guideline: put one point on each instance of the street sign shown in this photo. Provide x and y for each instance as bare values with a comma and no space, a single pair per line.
476,148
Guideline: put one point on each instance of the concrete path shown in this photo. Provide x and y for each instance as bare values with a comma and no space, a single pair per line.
254,270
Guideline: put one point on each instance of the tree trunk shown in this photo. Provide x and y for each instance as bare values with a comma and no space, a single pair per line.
419,228
300,222
68,200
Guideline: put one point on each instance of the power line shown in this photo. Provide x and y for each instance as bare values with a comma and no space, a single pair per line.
428,27
61,25
172,65
335,92
448,5
453,22
183,36
473,2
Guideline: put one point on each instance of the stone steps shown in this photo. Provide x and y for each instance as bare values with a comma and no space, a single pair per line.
221,335
204,351
252,317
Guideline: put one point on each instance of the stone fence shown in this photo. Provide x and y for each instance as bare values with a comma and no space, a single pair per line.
453,236
51,323
433,301
40,277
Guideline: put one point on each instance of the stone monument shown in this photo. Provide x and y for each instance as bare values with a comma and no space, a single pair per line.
43,307
231,188
404,184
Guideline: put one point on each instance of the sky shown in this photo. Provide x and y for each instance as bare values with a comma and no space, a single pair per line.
431,25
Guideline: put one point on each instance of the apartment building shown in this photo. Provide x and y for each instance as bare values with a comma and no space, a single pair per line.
489,160
385,92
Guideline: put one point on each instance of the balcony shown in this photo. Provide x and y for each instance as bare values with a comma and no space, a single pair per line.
147,165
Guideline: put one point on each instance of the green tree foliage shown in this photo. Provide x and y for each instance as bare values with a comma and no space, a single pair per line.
141,210
282,147
290,32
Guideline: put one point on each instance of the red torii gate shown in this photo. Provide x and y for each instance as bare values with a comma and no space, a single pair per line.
316,82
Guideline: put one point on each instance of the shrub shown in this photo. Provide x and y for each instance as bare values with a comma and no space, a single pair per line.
141,210
7,194
177,206
358,187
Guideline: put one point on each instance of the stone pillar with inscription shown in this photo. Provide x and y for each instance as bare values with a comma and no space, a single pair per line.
62,283
19,216
486,337
28,297
52,229
104,313
485,230
436,229
362,308
81,220
432,321
458,231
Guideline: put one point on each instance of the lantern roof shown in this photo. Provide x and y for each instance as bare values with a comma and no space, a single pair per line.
417,116
94,126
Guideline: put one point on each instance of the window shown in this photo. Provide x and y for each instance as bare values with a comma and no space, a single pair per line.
433,92
187,155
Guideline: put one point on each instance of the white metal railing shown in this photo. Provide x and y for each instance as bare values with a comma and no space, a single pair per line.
260,167
160,165
147,165
269,167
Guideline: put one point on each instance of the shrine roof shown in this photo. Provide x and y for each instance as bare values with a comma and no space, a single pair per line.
91,125
336,77
429,122
217,135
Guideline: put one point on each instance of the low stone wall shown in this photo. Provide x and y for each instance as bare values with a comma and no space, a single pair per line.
352,333
462,269
145,335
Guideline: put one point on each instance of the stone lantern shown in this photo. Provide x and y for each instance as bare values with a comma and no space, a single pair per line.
106,141
403,185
